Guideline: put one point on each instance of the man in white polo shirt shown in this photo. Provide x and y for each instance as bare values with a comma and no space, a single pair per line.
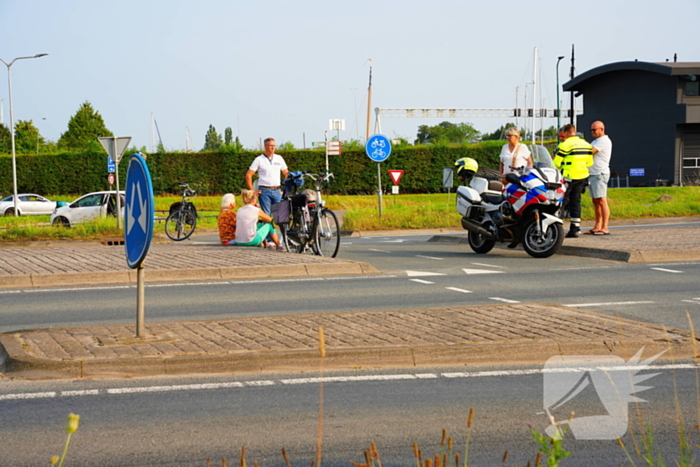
269,166
599,176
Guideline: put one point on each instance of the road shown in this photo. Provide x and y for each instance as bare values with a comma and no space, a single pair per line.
416,274
184,420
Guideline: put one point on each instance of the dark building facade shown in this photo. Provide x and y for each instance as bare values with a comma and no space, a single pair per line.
652,113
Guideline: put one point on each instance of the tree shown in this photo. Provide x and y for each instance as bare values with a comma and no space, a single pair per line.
447,132
228,136
498,134
212,140
84,128
286,146
27,137
5,140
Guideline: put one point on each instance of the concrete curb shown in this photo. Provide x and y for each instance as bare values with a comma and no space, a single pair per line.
154,275
17,364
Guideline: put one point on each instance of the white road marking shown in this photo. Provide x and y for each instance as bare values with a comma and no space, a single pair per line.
393,241
488,265
668,270
29,395
481,271
10,291
422,273
504,300
421,281
178,387
694,301
458,290
329,379
379,251
609,303
78,289
88,392
429,257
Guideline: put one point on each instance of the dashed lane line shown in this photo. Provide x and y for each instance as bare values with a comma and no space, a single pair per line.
430,257
458,290
326,379
668,270
504,300
488,265
421,281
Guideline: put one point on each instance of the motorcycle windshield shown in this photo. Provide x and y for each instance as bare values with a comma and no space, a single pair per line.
541,157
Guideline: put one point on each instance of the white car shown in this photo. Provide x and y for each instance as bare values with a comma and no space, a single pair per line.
27,204
90,206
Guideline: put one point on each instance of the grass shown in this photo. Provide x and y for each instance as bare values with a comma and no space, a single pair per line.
362,212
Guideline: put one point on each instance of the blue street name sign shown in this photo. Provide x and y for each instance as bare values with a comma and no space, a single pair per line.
636,172
139,209
378,148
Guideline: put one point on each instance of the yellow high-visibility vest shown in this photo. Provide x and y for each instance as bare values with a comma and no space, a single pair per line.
573,157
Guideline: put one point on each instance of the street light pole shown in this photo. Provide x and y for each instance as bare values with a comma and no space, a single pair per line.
558,104
12,125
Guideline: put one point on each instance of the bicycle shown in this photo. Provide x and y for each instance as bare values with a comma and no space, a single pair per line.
182,219
306,224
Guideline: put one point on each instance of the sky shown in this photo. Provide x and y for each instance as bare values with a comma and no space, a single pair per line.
285,68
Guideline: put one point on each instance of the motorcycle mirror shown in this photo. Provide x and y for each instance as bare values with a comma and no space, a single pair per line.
513,178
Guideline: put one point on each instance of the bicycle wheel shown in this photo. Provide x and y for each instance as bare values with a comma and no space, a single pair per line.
327,235
180,225
289,235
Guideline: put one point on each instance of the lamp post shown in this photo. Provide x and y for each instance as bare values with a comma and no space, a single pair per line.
12,125
558,105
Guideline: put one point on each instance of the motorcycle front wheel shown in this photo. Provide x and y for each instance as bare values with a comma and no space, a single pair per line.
545,245
479,243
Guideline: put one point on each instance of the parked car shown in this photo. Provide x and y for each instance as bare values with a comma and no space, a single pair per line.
28,204
90,206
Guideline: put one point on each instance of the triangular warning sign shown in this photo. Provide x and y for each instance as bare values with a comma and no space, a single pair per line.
396,175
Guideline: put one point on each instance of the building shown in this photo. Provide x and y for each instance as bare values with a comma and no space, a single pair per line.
652,113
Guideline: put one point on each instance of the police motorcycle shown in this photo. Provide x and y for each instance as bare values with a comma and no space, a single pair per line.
524,212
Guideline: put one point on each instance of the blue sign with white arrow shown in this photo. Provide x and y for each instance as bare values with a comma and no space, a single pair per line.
378,148
139,219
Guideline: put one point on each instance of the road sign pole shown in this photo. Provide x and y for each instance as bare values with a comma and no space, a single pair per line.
379,187
116,177
326,140
140,295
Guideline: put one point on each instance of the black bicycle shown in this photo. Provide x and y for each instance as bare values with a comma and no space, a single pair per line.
304,221
182,219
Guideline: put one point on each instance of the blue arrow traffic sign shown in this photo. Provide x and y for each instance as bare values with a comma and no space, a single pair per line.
139,219
378,148
111,165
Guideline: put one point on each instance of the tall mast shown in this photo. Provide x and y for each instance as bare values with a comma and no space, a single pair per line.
534,96
369,100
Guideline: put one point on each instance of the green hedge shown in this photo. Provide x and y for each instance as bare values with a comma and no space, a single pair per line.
213,173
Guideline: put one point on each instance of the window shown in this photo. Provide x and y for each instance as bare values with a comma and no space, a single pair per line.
692,88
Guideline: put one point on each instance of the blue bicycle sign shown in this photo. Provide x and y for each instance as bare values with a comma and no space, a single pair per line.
378,148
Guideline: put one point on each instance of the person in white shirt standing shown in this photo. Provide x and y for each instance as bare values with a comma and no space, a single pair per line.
269,166
599,177
513,154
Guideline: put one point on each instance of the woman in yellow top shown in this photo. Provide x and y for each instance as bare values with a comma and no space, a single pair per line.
227,220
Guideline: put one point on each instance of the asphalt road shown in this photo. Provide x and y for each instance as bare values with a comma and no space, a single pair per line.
415,274
184,421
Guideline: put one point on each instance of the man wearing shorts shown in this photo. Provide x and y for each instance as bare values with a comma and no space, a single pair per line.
599,177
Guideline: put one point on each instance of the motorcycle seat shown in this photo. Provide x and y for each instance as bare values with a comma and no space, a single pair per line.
492,197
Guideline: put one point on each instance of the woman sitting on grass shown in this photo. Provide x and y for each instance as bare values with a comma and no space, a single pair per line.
250,232
227,220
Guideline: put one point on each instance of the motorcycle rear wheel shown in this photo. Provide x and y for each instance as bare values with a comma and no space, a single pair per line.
479,243
545,245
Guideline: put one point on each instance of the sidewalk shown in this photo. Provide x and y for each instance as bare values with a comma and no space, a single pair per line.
469,335
521,333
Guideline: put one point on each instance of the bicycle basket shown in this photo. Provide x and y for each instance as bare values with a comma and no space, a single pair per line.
281,212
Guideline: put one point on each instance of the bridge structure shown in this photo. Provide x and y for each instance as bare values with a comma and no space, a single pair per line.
466,113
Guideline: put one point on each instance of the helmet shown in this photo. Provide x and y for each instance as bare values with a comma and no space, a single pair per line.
466,167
